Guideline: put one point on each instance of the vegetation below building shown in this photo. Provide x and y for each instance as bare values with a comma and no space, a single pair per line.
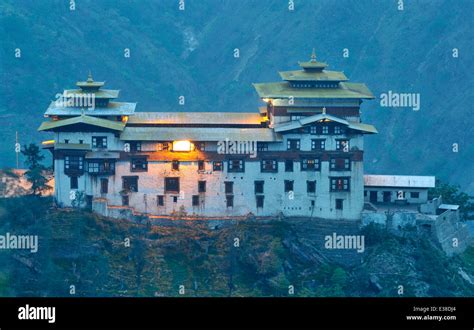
90,252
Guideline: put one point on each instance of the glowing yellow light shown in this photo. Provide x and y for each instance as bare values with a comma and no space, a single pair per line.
47,142
181,146
267,100
124,119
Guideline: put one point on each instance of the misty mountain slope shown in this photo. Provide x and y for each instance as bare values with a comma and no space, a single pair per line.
191,53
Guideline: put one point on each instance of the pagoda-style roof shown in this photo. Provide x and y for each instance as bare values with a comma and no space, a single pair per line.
90,83
295,124
345,90
198,134
99,94
112,109
184,118
304,75
313,64
83,119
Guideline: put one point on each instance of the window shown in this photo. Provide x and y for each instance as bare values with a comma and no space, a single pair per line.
318,144
81,141
310,164
135,146
229,199
229,187
163,146
99,142
342,145
195,200
311,187
175,165
171,185
130,183
269,165
66,141
289,185
201,146
104,186
236,165
201,186
262,146
313,129
73,164
217,166
414,195
337,129
125,200
340,184
160,200
139,165
325,130
201,166
340,164
101,167
339,204
259,187
73,182
293,144
175,199
289,165
260,199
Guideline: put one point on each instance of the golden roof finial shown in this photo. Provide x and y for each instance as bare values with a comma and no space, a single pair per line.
313,55
89,78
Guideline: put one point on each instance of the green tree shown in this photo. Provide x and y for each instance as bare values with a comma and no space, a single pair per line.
452,195
35,170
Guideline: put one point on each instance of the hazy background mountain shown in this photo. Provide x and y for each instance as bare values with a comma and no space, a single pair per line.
190,53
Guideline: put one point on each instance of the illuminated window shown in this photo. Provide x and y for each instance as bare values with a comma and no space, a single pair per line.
340,184
217,166
310,164
181,146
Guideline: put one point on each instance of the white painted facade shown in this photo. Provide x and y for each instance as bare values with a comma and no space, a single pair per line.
338,191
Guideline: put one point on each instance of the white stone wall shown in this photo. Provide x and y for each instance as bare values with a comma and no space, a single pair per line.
423,198
151,184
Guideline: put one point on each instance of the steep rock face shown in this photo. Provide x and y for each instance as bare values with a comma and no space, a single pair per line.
191,53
